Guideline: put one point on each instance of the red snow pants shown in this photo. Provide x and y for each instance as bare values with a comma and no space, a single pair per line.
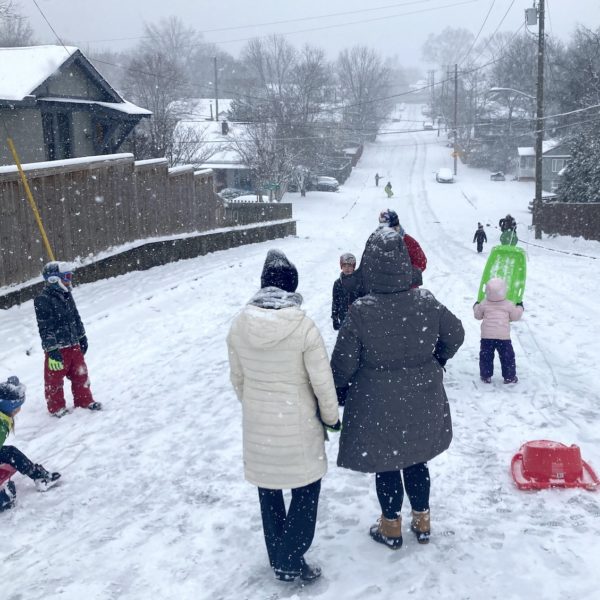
74,369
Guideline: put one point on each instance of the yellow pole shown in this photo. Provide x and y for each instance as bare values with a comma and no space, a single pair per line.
32,203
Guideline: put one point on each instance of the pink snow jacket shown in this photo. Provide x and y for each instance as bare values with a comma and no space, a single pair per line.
496,312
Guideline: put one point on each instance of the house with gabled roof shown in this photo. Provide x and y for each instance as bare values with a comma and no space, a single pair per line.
54,104
555,156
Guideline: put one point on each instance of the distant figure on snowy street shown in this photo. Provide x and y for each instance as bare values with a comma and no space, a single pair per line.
496,314
388,190
388,361
280,372
479,237
508,228
343,294
377,178
12,397
63,340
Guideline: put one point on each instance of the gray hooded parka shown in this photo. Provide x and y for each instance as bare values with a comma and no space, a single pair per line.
396,413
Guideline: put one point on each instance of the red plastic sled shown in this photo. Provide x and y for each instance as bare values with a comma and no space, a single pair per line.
542,464
6,472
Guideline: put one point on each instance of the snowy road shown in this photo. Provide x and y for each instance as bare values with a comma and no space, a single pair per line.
153,503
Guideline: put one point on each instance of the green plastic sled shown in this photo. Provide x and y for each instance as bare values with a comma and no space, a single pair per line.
508,263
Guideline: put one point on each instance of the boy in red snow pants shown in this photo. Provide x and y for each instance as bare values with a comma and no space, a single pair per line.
63,340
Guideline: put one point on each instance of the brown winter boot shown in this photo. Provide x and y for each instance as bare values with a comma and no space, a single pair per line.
421,526
388,532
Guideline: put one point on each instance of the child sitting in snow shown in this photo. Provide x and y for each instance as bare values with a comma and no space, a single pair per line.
12,397
495,314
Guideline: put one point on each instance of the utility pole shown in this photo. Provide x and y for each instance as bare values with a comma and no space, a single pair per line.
216,93
455,153
539,123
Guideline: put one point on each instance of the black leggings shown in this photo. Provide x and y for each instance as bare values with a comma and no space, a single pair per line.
289,536
16,459
391,493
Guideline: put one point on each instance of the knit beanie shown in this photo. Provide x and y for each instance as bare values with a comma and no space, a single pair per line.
279,272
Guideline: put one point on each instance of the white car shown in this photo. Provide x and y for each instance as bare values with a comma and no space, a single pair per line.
444,175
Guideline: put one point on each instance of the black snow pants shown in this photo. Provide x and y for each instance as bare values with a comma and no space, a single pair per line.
391,493
16,459
289,535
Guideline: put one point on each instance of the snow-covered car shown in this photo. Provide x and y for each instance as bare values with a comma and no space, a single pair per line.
497,176
230,193
327,184
427,125
444,175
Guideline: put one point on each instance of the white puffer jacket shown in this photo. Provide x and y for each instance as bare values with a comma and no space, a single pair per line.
280,371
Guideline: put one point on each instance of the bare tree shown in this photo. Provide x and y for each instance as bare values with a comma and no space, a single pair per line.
447,47
157,80
270,163
364,81
14,28
190,146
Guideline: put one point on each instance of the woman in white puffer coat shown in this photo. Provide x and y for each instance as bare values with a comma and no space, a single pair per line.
280,371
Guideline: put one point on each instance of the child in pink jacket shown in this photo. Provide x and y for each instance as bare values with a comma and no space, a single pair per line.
495,314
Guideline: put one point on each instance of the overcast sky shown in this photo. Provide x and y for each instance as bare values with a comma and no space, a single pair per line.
393,28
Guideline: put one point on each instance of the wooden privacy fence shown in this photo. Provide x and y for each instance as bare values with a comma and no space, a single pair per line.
579,219
89,205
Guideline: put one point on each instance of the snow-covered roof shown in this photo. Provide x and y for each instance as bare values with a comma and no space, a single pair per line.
124,107
547,145
22,70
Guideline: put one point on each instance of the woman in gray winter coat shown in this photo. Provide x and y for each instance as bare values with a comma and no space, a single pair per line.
391,351
280,371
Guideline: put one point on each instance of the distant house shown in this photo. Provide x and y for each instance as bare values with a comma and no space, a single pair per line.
525,163
56,105
554,158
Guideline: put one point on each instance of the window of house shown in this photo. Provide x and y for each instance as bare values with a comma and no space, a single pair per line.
557,164
57,135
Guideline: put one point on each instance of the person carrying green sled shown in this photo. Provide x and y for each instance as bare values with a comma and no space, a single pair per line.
388,189
508,227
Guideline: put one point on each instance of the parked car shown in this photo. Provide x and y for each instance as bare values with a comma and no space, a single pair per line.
327,184
428,125
497,176
444,175
230,193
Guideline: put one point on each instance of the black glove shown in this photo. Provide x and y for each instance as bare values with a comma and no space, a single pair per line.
437,354
342,392
83,344
336,324
441,360
334,428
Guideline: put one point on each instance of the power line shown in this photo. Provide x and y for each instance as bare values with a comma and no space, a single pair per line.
281,22
478,33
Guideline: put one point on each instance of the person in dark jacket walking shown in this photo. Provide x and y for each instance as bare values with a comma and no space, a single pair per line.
12,397
479,237
389,355
377,178
343,295
63,340
389,219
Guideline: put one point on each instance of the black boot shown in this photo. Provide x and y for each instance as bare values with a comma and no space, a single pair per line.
43,479
7,496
